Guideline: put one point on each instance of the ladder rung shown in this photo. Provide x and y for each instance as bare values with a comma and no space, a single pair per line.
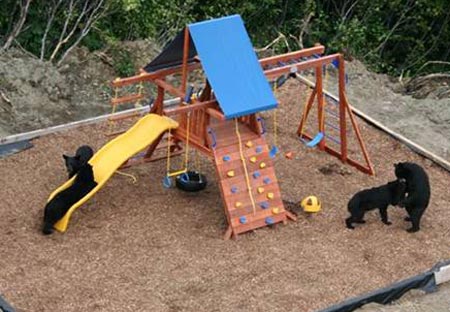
332,138
127,99
332,126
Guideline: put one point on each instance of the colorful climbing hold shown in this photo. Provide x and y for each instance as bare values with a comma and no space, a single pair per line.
269,220
260,190
289,155
264,205
238,204
256,175
275,210
234,189
270,195
249,144
262,165
253,159
266,180
243,220
259,149
230,173
226,158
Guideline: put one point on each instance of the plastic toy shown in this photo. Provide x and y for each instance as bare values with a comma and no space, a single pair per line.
311,204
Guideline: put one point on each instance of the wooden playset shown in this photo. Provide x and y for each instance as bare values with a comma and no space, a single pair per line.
237,144
221,120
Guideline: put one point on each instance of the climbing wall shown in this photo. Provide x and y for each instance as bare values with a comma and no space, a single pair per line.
251,194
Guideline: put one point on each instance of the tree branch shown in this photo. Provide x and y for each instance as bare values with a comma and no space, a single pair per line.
17,28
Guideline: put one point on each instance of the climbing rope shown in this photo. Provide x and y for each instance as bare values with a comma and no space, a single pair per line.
186,154
249,187
133,177
111,122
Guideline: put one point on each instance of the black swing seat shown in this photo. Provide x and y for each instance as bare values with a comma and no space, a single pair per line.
191,181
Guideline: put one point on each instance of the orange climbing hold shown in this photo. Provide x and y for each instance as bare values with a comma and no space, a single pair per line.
275,210
238,204
270,195
260,190
249,144
262,165
230,173
253,159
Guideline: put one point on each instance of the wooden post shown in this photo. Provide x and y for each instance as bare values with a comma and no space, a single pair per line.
320,115
159,102
306,112
185,61
342,108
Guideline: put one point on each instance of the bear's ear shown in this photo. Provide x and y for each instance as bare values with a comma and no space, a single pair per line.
65,156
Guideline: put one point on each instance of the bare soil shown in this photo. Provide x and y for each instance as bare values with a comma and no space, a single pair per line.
141,247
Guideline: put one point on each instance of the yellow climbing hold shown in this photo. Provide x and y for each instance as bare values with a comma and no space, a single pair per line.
270,195
238,204
275,210
260,190
253,159
262,165
230,173
249,144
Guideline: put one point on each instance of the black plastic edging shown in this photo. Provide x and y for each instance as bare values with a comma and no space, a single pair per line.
424,281
5,307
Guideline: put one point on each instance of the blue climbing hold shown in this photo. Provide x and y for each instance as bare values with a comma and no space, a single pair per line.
256,175
264,205
266,180
243,220
269,220
226,158
234,189
259,149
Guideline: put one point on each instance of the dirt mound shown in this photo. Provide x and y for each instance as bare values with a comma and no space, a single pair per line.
36,94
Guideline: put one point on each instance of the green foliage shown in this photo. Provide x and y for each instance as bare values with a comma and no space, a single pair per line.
396,36
122,62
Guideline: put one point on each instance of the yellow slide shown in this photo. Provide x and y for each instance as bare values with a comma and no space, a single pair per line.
112,155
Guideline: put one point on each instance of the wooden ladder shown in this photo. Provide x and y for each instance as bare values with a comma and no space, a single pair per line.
268,206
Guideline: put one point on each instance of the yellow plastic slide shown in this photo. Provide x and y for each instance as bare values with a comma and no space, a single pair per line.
112,155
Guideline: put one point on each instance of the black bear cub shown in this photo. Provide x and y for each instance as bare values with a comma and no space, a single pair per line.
60,204
74,163
378,197
418,190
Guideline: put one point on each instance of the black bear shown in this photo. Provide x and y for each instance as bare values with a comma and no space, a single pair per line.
378,197
74,163
57,207
418,190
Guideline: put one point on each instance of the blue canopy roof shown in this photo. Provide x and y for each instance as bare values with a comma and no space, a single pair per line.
232,67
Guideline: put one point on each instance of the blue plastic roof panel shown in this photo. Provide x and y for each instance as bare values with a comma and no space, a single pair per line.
232,67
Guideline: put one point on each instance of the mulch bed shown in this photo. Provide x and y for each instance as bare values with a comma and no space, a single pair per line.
141,247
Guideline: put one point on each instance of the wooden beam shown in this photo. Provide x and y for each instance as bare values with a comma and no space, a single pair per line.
342,109
305,114
274,60
216,114
189,108
358,135
120,82
276,72
320,112
127,99
169,88
184,72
